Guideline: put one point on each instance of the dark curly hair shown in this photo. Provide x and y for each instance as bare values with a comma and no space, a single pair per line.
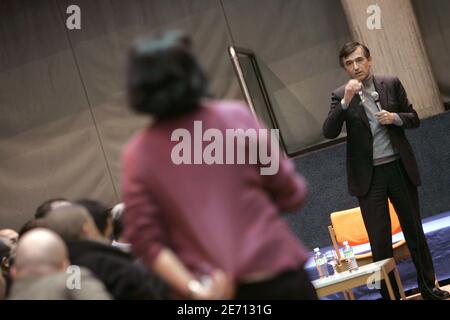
164,78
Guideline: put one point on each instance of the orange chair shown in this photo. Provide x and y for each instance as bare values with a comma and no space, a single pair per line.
349,225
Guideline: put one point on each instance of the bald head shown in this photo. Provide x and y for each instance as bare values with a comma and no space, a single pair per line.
39,252
72,223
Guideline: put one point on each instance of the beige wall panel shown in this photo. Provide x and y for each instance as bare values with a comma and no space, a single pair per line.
397,49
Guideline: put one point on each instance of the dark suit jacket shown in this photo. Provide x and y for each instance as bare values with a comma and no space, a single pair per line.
359,137
115,268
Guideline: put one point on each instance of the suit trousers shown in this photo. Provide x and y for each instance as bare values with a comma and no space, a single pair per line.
391,181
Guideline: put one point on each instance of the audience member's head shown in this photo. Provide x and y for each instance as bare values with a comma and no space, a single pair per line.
5,261
39,252
9,237
164,78
72,223
49,205
101,215
30,225
117,219
5,251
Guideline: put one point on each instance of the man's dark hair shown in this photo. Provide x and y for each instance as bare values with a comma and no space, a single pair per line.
98,211
30,225
349,48
46,206
164,78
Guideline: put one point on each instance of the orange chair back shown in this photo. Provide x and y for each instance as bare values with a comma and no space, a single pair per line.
349,225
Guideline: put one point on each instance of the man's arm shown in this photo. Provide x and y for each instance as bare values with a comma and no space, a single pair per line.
336,116
406,112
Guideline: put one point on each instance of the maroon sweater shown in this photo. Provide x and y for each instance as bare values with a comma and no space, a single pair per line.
212,216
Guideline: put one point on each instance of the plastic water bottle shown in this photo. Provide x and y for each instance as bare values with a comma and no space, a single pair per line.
350,257
321,263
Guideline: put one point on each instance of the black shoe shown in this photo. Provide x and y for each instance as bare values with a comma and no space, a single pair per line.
435,294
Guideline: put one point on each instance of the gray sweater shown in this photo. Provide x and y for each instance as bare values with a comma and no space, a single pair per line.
383,150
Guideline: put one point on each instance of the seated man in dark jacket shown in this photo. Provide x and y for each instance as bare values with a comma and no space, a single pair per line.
40,271
115,268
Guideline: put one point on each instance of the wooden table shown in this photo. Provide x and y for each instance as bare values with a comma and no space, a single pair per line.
346,281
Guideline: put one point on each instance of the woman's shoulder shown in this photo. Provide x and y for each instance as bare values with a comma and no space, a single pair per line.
235,108
227,104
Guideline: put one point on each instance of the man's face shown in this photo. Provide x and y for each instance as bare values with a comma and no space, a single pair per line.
357,65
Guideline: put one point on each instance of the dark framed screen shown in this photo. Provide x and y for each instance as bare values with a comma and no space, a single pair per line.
259,99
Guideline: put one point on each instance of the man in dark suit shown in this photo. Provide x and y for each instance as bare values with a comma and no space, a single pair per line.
380,160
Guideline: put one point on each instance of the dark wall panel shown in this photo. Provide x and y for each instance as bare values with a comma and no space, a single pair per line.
49,144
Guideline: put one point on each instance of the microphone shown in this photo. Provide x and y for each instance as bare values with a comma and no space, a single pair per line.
361,96
376,98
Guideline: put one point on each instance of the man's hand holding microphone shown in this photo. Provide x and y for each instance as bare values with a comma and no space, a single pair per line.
385,117
355,86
